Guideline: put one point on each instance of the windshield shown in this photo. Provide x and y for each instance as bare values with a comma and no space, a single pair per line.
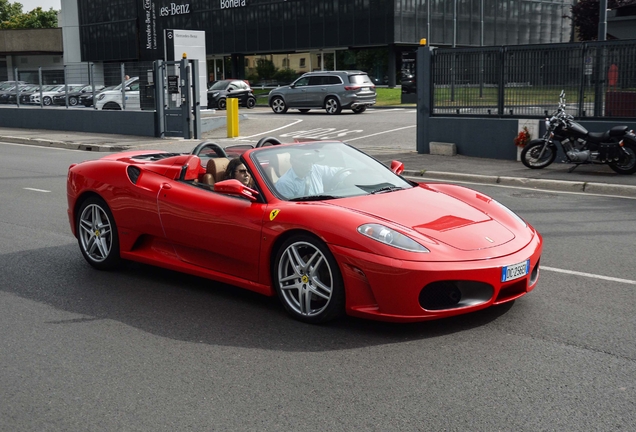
324,170
219,85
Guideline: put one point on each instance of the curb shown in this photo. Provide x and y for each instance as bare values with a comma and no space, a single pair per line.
544,184
63,144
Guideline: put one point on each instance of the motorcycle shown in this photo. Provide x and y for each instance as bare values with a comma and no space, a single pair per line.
615,147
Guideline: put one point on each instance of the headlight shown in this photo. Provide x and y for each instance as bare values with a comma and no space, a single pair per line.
513,214
101,96
215,94
390,237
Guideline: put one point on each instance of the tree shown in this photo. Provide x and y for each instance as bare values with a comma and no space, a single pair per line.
8,11
585,16
12,17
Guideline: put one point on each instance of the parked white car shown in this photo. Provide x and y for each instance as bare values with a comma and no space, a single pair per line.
111,99
47,96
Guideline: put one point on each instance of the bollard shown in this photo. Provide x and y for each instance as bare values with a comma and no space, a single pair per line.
232,117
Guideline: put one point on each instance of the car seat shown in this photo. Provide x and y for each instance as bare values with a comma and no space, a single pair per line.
215,170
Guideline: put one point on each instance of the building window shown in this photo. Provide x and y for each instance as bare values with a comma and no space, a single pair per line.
286,63
302,62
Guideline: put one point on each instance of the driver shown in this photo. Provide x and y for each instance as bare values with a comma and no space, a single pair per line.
304,178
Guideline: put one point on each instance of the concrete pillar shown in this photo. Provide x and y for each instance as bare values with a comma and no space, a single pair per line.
391,71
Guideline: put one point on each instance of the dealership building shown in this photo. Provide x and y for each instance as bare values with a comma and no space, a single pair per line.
378,36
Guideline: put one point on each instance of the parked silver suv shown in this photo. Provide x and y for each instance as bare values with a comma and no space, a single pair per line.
329,90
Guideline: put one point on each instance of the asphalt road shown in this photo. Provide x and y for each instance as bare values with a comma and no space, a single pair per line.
148,349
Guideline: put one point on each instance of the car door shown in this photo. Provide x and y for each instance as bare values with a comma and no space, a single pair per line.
212,230
239,91
132,96
317,90
296,94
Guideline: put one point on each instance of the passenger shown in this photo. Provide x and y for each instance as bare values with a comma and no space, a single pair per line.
304,178
237,170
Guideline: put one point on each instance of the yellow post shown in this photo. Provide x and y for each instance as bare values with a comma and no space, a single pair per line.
232,117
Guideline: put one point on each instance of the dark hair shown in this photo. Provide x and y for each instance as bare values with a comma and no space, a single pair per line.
231,167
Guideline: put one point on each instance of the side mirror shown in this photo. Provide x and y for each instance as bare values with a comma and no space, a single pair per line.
397,167
235,187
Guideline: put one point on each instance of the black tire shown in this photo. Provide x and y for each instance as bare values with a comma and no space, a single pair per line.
332,106
311,290
628,164
72,101
46,101
303,110
359,109
221,104
250,103
278,105
97,234
532,151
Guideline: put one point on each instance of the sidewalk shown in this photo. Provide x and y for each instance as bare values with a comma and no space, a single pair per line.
593,179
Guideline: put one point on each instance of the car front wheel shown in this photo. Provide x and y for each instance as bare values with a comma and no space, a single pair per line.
332,106
72,101
278,105
222,104
97,234
308,280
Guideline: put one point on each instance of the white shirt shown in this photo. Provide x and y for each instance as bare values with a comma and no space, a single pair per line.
292,186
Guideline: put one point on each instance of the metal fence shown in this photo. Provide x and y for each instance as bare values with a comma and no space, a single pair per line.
82,85
599,79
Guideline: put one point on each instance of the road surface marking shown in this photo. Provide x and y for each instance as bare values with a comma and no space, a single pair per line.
380,133
590,275
273,130
37,190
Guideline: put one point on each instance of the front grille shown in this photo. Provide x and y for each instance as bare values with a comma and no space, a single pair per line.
442,295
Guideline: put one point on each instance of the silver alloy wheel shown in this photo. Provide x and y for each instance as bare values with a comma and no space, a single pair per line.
46,101
95,232
278,105
305,279
72,101
332,106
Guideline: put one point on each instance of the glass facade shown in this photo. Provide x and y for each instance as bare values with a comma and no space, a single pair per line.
344,33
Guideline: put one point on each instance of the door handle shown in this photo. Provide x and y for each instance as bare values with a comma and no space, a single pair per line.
166,186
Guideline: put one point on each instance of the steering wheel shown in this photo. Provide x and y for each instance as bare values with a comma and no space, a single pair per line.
209,145
339,177
267,141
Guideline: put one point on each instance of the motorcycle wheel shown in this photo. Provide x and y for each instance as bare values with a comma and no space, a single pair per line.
532,151
628,164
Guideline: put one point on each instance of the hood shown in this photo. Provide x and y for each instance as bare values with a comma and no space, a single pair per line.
438,216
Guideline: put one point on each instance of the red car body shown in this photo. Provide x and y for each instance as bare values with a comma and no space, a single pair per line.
165,217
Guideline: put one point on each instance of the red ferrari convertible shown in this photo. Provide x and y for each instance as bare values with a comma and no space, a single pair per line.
327,228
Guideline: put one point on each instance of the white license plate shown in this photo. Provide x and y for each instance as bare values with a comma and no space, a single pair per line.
515,271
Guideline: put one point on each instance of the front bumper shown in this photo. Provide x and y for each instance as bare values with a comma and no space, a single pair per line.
387,289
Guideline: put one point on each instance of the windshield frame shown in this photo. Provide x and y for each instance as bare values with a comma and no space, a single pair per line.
333,157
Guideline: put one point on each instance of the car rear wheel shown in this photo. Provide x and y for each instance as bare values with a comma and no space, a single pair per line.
46,101
222,104
72,101
332,106
97,234
114,106
308,280
278,105
250,103
359,109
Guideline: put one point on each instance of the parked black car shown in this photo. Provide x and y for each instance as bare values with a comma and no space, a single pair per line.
73,97
86,98
408,82
223,89
8,96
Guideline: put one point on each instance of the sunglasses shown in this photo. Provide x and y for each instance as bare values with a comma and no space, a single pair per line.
241,171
